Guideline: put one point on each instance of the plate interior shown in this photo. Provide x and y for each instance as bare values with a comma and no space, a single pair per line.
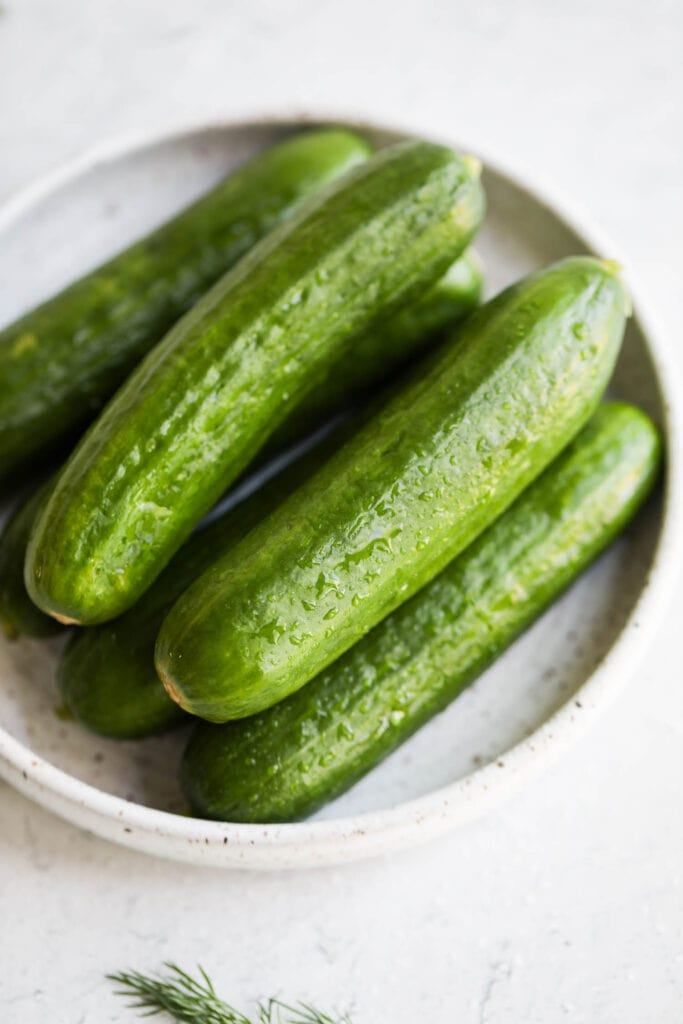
111,203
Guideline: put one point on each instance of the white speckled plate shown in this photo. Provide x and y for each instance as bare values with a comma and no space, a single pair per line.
530,705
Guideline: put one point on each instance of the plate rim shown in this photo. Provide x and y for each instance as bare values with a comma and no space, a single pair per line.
414,821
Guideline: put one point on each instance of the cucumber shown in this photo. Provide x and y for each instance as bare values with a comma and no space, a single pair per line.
60,362
374,358
288,761
455,295
106,675
446,455
18,614
205,401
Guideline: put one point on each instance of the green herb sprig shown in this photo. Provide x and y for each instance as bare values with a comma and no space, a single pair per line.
194,1001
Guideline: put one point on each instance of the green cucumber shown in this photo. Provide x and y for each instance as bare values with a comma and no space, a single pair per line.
18,614
288,761
374,358
455,295
446,455
60,362
205,401
106,675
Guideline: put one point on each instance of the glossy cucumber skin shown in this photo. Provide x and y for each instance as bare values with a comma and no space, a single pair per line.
376,358
202,404
289,760
60,362
455,295
106,675
446,455
19,616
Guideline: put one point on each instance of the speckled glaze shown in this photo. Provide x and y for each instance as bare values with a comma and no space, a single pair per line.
533,702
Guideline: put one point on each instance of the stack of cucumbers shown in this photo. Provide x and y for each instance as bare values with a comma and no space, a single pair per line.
300,488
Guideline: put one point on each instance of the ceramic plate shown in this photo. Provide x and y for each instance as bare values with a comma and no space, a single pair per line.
528,706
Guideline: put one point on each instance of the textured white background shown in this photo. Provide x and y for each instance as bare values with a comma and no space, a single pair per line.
566,904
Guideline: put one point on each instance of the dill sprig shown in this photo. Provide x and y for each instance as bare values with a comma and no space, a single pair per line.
194,1001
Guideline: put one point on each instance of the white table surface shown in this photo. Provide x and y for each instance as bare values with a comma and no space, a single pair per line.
565,904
